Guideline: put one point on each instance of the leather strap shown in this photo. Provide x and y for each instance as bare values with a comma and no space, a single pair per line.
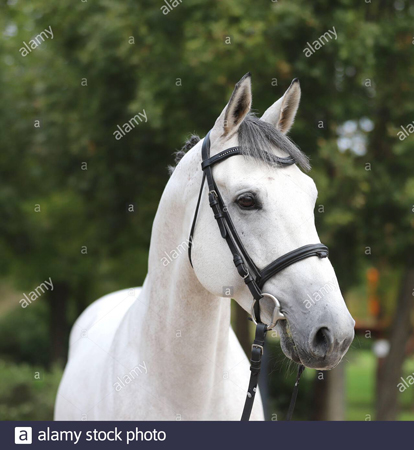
255,365
237,151
301,368
290,258
190,239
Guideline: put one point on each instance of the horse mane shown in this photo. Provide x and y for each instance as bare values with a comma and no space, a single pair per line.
256,139
179,154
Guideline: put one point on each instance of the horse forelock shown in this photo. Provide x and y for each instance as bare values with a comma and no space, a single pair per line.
257,138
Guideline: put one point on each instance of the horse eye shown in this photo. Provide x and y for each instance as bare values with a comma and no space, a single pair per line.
246,201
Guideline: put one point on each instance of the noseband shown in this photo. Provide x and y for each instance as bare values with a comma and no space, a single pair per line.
254,277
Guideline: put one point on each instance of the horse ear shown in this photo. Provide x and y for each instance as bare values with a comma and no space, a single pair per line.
282,113
236,109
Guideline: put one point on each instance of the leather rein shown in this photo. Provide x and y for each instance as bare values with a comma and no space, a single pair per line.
254,277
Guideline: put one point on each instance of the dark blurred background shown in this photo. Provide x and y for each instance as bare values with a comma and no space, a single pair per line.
107,61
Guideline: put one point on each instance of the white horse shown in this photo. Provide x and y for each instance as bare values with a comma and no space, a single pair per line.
166,351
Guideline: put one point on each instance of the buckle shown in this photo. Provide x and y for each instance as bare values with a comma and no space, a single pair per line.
260,347
213,192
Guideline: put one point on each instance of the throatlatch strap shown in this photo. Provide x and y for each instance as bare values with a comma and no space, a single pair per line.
190,240
255,364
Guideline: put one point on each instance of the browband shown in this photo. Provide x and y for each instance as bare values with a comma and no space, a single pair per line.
237,151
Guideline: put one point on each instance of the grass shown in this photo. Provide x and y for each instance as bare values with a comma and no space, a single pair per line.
360,387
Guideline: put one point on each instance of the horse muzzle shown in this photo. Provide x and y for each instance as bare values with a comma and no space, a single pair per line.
321,347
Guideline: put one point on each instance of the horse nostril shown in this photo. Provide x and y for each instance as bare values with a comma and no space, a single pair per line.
321,342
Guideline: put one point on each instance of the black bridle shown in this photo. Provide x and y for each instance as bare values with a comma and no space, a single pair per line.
254,277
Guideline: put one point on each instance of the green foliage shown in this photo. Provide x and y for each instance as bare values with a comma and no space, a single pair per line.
27,392
24,334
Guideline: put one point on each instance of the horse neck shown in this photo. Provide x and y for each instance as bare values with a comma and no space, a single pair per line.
184,328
